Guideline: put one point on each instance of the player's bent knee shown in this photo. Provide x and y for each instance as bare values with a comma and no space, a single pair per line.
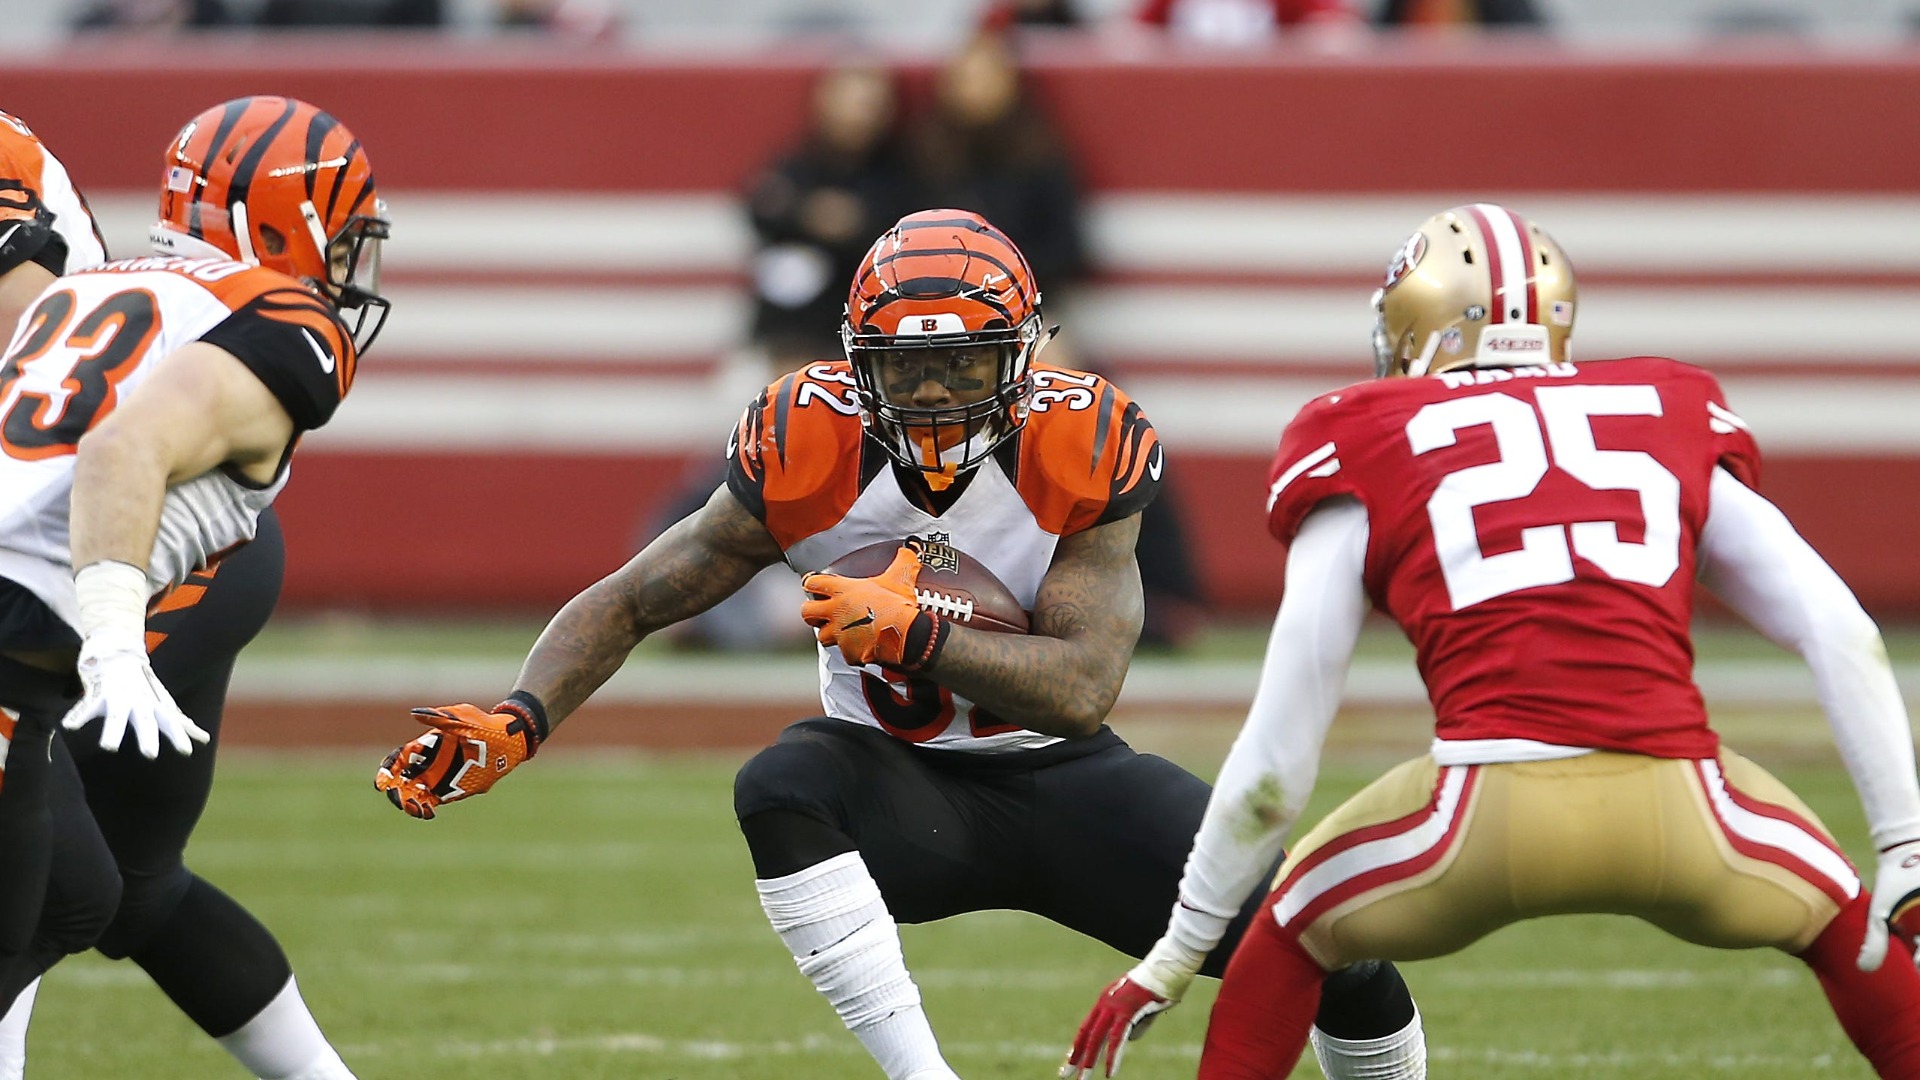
792,774
88,899
147,901
1366,1000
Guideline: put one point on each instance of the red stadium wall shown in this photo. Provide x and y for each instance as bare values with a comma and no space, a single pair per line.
475,526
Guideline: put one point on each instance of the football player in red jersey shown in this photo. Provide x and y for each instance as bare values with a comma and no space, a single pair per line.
954,769
139,553
1536,527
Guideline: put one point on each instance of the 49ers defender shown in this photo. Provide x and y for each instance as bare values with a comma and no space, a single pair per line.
149,409
955,769
1536,527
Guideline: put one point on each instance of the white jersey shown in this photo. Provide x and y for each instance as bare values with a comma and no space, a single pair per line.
94,337
800,461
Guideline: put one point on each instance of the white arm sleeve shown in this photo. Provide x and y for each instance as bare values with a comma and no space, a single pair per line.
1270,772
1752,558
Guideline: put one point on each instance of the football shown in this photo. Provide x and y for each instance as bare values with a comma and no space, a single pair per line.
952,583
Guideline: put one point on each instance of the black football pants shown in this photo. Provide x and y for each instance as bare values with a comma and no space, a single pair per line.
121,818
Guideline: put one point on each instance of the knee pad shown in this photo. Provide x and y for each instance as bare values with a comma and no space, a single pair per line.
147,901
800,772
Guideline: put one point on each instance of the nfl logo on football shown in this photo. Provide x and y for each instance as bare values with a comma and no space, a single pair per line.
936,552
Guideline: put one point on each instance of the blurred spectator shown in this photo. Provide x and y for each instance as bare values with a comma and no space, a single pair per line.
1244,22
152,14
1451,12
1005,14
572,18
816,210
317,13
986,146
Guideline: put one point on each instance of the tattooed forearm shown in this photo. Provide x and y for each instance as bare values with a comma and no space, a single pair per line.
1061,679
699,562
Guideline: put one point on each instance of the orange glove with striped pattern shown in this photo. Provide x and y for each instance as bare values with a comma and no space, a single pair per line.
467,752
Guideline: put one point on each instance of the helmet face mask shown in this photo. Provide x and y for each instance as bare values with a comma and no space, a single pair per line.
1476,286
353,273
276,182
941,329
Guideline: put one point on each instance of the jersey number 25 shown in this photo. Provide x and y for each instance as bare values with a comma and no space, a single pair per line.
1563,426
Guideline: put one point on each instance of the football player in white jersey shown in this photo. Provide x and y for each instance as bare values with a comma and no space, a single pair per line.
149,409
45,227
954,769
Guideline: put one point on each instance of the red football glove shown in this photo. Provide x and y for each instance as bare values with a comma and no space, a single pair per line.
875,620
1122,1014
465,754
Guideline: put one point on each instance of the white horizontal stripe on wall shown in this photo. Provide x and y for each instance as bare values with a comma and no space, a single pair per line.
709,231
634,414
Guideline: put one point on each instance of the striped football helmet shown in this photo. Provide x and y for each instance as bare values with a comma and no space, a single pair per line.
278,183
1477,285
943,298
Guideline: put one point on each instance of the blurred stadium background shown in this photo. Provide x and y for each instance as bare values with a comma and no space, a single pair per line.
572,271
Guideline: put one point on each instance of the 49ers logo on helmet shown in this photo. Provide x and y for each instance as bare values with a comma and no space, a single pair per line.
1406,258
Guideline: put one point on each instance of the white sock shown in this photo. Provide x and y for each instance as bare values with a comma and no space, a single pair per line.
283,1042
1399,1056
13,1034
842,937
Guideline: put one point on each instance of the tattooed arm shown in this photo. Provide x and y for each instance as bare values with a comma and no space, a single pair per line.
705,558
1063,677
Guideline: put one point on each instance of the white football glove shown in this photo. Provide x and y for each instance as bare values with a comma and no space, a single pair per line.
1896,902
120,687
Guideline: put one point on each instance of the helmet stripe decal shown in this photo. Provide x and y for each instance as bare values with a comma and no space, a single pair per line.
228,120
319,126
1530,271
250,163
340,180
1506,261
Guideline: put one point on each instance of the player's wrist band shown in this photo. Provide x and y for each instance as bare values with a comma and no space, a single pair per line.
926,636
533,711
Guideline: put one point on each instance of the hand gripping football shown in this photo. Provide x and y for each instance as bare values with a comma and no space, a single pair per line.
952,584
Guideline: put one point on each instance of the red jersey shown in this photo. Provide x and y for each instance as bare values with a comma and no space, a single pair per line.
1533,531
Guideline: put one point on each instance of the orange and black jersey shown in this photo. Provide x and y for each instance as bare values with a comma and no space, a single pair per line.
799,458
43,218
296,344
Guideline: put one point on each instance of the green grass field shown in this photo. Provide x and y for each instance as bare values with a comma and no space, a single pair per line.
595,917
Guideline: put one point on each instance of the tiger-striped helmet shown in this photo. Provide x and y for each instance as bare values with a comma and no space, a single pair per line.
278,183
943,303
1478,285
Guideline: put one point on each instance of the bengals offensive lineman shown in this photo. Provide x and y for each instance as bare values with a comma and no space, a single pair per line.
955,770
149,409
1536,527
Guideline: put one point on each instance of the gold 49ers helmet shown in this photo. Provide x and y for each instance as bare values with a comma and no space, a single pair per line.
1478,285
278,183
941,325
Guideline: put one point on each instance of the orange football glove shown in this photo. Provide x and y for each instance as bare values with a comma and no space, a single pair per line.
875,620
465,754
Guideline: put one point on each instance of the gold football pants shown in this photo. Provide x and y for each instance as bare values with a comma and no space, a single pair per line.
1429,858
